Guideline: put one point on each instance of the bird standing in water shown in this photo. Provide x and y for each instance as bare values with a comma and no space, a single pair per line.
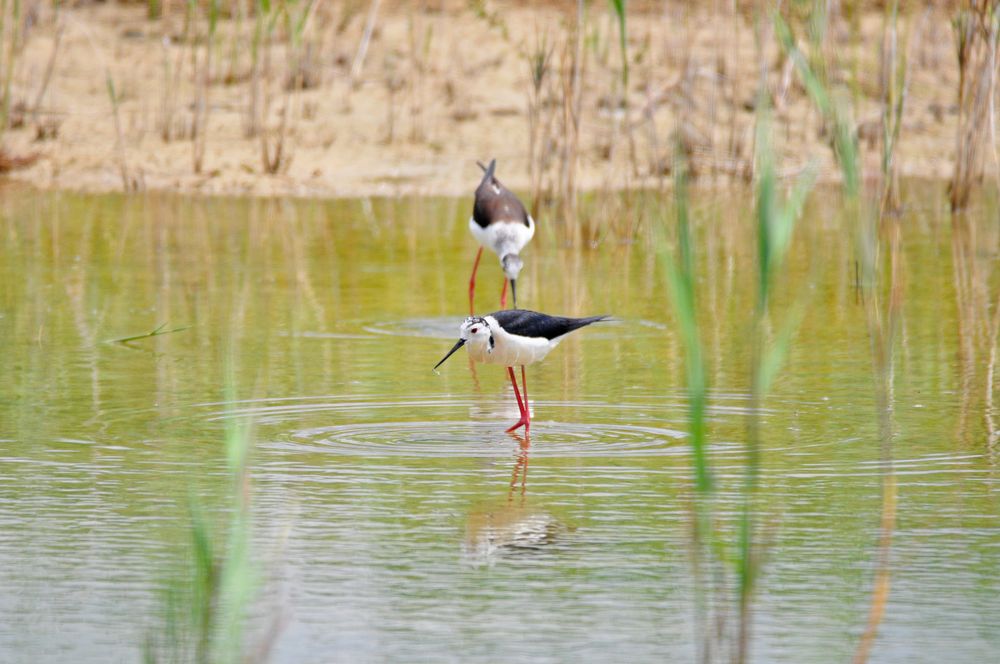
500,223
515,337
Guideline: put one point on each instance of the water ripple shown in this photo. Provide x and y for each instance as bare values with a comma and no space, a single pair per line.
475,439
444,426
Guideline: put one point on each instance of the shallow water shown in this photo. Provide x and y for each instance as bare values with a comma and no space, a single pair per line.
393,518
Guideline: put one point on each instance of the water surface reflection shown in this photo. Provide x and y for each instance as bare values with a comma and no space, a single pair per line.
393,518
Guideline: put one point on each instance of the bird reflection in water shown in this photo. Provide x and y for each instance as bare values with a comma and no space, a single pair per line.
511,527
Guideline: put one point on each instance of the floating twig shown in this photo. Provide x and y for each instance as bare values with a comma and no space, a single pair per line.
152,333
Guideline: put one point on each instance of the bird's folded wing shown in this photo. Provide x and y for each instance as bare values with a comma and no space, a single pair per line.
534,324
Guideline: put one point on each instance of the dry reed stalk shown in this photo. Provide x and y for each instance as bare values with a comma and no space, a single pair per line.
276,158
11,46
172,76
47,75
270,160
733,143
621,17
366,36
894,84
251,122
203,77
393,82
236,41
573,71
655,161
977,30
419,52
129,183
713,102
538,60
260,49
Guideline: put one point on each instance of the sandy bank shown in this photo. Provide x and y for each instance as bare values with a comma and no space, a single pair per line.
438,89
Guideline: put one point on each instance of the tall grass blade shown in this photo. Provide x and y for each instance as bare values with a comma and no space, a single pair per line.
209,625
681,278
775,223
844,145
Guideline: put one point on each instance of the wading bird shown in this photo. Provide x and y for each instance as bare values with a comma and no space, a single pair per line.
500,223
515,337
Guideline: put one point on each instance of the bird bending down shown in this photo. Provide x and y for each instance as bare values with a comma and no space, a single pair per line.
500,223
515,337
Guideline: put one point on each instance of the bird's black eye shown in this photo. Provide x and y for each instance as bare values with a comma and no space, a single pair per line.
474,330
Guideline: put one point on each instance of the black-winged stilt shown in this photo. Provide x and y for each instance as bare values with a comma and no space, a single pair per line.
500,223
515,337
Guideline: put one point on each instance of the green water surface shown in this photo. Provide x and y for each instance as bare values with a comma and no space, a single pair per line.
393,520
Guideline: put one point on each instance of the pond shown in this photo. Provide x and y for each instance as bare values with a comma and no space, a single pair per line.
392,517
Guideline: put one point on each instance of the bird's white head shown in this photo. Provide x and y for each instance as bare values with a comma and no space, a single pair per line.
512,265
474,331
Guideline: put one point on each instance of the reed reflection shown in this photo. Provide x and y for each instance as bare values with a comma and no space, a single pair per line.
973,247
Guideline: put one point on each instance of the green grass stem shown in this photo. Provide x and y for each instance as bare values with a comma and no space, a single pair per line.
205,616
680,268
681,280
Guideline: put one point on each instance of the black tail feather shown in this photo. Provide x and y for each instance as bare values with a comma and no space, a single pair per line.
488,171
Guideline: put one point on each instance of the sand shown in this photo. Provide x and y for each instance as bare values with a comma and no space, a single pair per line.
440,88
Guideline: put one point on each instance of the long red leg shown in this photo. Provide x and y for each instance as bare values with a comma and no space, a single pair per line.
503,295
527,408
513,381
517,393
472,283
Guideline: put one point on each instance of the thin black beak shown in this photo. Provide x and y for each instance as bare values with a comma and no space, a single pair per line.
461,342
513,292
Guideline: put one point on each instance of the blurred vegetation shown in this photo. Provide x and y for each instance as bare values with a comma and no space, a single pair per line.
599,93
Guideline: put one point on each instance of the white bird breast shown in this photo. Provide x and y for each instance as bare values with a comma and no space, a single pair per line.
503,237
510,350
